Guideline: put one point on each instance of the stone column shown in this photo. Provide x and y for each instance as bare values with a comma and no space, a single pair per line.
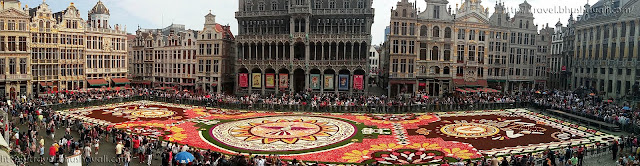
262,81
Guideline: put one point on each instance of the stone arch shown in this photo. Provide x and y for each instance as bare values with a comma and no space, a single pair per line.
447,32
423,30
436,31
435,53
299,80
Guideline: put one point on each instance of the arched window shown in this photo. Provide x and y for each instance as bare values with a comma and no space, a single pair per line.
527,25
434,53
436,31
445,70
423,31
447,32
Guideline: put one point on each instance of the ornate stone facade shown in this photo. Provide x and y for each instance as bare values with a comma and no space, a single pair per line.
184,58
319,46
45,51
606,58
439,49
15,50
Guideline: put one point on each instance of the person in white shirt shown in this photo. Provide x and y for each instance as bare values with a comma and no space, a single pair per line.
87,154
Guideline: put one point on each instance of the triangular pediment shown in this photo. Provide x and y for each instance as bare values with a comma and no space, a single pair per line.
12,12
473,18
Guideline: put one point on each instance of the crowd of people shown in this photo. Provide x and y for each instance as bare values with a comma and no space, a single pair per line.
30,116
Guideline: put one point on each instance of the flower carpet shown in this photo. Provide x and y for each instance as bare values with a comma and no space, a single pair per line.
343,137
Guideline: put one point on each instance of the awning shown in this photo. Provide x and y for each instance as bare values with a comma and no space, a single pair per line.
143,82
461,90
459,82
97,82
470,90
497,80
487,90
490,90
214,84
46,84
120,81
482,83
402,82
186,84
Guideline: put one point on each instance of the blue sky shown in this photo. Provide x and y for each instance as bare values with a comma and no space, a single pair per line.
161,13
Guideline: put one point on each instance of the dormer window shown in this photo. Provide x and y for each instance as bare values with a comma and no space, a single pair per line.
436,12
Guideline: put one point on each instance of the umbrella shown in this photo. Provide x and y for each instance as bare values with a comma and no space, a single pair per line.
184,157
626,108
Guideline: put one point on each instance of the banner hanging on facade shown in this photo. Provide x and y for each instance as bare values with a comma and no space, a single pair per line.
315,81
270,80
256,80
358,81
343,82
243,80
328,81
283,81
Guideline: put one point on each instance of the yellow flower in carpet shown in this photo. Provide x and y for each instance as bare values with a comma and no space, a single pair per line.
356,155
177,137
424,146
457,152
387,147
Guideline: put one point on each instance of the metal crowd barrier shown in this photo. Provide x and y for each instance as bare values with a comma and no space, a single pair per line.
380,109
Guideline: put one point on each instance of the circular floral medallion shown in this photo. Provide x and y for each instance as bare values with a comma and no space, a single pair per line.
151,113
469,130
282,133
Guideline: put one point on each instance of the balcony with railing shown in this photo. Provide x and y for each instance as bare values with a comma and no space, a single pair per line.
472,63
241,38
260,13
299,9
357,11
16,77
353,36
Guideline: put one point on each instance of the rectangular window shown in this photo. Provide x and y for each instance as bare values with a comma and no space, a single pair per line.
632,28
12,43
481,36
461,34
394,65
436,12
460,53
3,45
403,46
481,54
11,25
395,46
410,70
621,54
216,49
412,47
472,53
403,65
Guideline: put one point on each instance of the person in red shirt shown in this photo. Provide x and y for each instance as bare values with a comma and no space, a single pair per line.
52,153
136,146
